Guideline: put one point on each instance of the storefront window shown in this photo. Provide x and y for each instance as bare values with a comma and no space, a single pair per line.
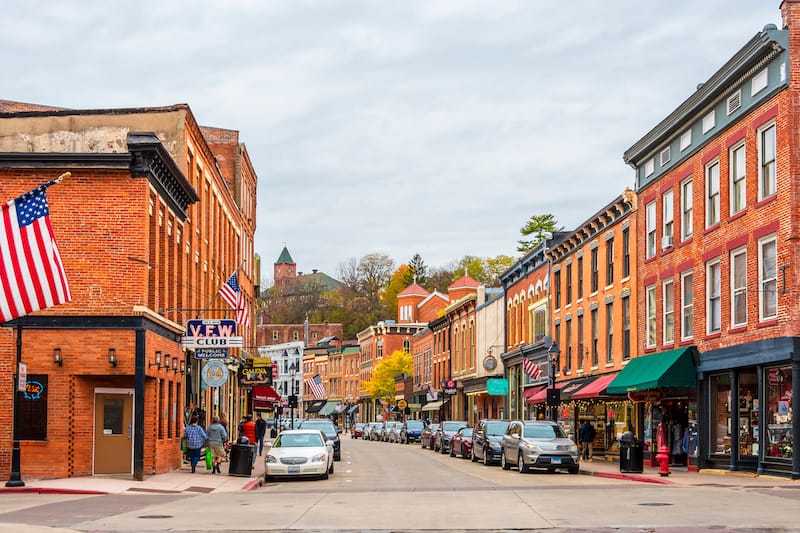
779,412
748,413
690,437
619,416
720,399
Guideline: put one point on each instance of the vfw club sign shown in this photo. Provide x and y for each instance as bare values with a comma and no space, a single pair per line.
210,339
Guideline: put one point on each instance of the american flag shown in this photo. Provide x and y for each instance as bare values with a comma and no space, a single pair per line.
317,388
31,273
531,368
233,296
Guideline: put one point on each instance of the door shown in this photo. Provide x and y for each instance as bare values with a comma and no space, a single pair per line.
113,433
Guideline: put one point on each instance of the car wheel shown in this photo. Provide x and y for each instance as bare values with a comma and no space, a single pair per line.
521,466
442,449
325,475
337,457
267,479
330,470
574,470
472,456
503,463
485,458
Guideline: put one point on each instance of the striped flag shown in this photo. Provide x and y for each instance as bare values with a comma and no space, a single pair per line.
316,387
233,296
531,368
32,276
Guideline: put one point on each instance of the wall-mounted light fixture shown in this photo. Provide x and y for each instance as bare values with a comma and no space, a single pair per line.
57,356
175,364
112,357
156,362
183,367
166,361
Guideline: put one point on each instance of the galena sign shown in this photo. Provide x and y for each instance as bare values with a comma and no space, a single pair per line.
209,333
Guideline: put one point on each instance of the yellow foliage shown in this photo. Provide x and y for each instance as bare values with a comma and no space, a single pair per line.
382,383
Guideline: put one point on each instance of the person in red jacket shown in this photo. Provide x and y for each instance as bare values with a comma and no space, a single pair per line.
249,429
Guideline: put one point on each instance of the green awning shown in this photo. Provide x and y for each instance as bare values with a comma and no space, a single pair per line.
329,408
671,369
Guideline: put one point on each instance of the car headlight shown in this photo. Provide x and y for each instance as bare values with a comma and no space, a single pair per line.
271,459
530,446
494,446
573,450
319,458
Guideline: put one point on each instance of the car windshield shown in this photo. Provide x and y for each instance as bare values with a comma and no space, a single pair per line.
298,440
466,432
496,428
434,427
453,426
415,425
327,427
544,432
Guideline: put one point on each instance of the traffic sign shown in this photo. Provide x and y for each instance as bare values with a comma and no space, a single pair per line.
402,404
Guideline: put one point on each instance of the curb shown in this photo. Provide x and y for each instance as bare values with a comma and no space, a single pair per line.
253,484
47,490
629,477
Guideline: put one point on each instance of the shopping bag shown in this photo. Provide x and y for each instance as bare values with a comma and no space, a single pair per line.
208,459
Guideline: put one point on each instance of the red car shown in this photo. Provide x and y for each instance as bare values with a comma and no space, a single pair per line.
357,430
427,437
461,443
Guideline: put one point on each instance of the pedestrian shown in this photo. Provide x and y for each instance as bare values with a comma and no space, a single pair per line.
195,438
217,437
261,432
586,435
249,429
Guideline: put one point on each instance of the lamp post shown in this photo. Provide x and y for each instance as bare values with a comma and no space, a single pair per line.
552,398
293,397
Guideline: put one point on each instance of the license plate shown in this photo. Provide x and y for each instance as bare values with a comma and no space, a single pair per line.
296,469
555,460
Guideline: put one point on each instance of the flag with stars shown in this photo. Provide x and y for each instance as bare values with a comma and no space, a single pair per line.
233,296
532,369
32,276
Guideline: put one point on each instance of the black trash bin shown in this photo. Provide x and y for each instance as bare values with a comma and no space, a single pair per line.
242,457
631,454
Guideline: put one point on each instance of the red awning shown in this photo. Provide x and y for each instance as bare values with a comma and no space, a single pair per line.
530,391
265,393
595,388
541,395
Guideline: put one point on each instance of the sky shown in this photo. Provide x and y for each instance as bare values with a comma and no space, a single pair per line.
436,127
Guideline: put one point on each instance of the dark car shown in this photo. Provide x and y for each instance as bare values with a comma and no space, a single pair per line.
428,436
538,444
445,433
357,430
411,431
329,429
487,437
461,443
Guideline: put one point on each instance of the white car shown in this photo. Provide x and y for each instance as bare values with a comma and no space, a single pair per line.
299,452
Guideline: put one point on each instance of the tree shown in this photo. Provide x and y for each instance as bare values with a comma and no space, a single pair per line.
541,227
417,270
397,283
486,271
381,386
439,278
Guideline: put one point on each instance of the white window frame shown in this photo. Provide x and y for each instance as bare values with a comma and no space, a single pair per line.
712,194
686,140
650,221
668,215
664,156
651,310
709,121
649,167
767,163
738,178
687,305
668,310
687,208
759,82
713,297
733,102
767,277
275,335
738,280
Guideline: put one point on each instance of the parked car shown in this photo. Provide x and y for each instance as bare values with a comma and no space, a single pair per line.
461,443
411,431
538,444
487,436
375,429
329,429
299,452
428,436
445,433
392,432
357,430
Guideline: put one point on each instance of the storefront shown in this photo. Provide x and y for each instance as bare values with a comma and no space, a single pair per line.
748,396
611,416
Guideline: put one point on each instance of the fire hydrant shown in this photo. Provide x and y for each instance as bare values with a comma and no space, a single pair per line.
663,451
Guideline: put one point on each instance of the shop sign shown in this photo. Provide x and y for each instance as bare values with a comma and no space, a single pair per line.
211,334
22,376
774,376
651,396
402,404
415,406
449,386
215,373
211,353
255,376
497,387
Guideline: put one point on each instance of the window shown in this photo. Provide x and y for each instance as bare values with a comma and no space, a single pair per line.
738,189
539,323
687,305
651,229
739,287
580,278
734,101
610,332
406,345
708,122
649,167
713,297
594,337
650,295
687,205
766,162
668,303
568,292
768,278
594,270
686,140
759,82
626,328
668,211
580,342
664,156
557,289
626,252
568,342
295,336
712,194
609,262
275,335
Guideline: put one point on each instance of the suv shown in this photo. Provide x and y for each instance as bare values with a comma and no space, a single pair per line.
538,444
486,439
329,429
393,431
411,431
445,432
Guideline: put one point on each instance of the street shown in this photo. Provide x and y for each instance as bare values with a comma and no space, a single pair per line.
382,486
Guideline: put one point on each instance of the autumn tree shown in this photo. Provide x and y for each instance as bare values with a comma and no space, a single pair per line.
397,283
486,271
541,227
381,386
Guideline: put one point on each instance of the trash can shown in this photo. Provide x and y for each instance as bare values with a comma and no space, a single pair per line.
631,454
242,457
273,432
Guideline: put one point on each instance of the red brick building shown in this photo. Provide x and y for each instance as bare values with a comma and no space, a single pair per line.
157,215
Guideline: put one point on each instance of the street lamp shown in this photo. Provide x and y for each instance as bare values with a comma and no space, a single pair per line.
552,394
293,368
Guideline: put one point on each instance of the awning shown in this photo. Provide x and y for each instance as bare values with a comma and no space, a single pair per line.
671,369
432,406
329,408
353,409
530,391
595,388
265,393
541,395
340,409
573,386
315,405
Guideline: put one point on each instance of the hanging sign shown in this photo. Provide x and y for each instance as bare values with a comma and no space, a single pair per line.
215,373
211,353
22,376
211,334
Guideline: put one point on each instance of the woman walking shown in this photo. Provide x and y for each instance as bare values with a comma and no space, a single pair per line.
217,436
195,438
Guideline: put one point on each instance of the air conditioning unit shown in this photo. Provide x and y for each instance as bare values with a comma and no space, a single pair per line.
666,242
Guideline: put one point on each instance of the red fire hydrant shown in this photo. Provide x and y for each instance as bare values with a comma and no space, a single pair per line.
663,451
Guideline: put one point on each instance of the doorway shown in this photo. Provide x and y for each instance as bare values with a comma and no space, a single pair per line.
113,431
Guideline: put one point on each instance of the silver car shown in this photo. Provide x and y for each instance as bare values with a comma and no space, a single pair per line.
538,444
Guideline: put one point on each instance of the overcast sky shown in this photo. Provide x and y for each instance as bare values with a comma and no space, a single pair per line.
435,126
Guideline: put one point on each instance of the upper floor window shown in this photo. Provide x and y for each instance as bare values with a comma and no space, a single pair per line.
580,277
580,342
568,290
595,281
650,304
766,162
626,328
406,345
687,305
568,333
687,209
668,304
295,336
739,287
708,122
738,188
275,335
759,82
610,332
610,262
712,194
649,167
595,333
686,140
539,323
650,214
768,278
669,219
557,289
626,252
713,297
